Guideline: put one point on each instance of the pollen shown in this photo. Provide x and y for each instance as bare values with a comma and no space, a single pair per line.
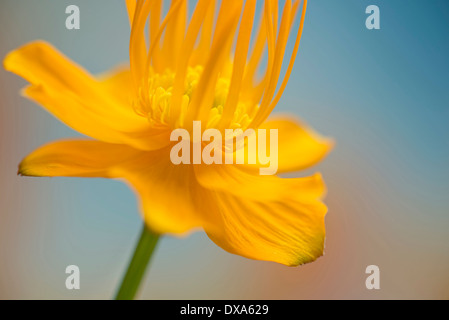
155,96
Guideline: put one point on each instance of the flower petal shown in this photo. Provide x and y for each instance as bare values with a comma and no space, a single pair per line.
131,8
265,217
240,181
172,201
75,158
288,231
299,146
118,83
76,98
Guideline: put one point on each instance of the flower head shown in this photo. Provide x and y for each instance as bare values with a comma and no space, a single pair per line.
203,68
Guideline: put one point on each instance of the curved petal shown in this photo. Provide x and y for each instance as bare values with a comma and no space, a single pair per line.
171,199
75,158
288,231
240,181
76,98
299,146
131,8
118,83
285,227
265,217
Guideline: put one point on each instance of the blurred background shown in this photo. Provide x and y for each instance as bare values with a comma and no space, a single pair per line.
382,94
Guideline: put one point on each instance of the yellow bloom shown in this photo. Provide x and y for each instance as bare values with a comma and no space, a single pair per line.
189,70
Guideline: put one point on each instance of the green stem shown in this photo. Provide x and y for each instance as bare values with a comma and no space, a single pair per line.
138,265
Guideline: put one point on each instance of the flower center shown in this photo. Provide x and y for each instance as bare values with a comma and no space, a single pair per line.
154,100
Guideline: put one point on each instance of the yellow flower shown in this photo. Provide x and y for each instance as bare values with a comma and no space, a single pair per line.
189,70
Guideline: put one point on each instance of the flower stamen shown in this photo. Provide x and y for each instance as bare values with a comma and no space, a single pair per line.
155,98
